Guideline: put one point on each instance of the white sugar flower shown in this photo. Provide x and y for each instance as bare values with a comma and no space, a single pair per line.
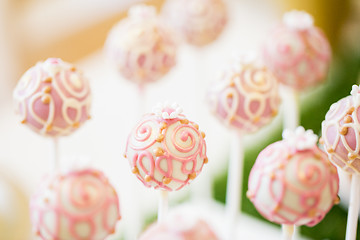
142,11
167,111
298,20
300,138
355,94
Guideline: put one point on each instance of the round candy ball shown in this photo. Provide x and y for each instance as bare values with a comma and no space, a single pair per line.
199,22
292,181
179,227
166,150
340,132
141,47
53,98
80,204
297,52
245,97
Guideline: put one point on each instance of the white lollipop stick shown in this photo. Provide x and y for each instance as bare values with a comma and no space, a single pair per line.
287,232
290,107
54,154
353,211
234,185
141,102
163,205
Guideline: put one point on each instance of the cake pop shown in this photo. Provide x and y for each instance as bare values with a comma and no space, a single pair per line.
340,132
292,182
179,227
166,150
53,98
199,22
246,97
142,48
297,52
80,204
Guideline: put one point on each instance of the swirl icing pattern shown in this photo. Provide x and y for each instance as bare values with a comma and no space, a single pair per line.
166,153
78,205
53,98
142,48
341,133
297,52
245,97
199,22
292,185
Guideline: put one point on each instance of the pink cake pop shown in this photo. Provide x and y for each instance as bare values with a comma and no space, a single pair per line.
246,97
77,205
179,227
166,150
297,52
292,182
53,98
340,132
199,22
142,48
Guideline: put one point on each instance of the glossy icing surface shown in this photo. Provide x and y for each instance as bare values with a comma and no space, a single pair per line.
293,182
142,48
77,205
53,98
165,150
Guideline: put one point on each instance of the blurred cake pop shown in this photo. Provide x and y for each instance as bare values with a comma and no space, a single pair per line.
80,204
246,96
166,150
179,227
199,22
53,98
340,132
142,48
292,182
297,52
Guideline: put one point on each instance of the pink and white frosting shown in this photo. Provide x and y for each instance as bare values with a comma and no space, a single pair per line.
53,98
77,205
297,52
246,96
180,227
142,48
341,132
166,150
293,182
199,22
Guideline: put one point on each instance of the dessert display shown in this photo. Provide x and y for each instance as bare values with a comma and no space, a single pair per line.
297,52
198,22
80,204
53,98
166,150
292,181
142,48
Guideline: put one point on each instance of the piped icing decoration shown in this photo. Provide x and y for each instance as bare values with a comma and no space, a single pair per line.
141,47
296,188
341,131
166,150
298,20
53,98
80,204
245,97
297,52
198,22
300,139
180,227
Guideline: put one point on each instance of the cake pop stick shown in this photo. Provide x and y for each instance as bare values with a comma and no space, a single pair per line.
287,231
354,204
166,151
245,99
53,98
163,206
340,131
290,100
